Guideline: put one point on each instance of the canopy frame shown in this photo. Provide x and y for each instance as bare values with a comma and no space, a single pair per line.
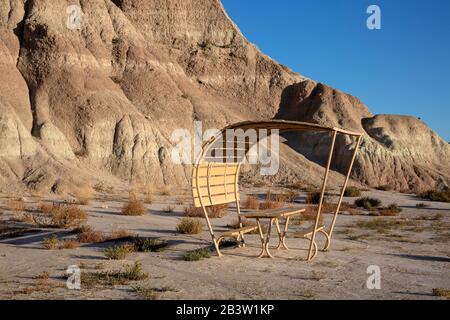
289,126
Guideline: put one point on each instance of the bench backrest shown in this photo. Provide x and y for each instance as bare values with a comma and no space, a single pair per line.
217,183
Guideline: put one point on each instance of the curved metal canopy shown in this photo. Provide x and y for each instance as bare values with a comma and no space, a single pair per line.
285,125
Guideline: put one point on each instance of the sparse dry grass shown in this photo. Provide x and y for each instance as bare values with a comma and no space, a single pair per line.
272,202
86,234
53,243
60,216
435,195
148,245
214,212
352,192
69,244
384,225
218,211
251,203
149,192
441,292
193,212
432,217
133,207
117,252
189,226
390,211
134,272
84,195
198,254
385,187
314,197
368,203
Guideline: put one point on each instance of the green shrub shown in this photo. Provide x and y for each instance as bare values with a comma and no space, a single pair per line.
198,254
391,210
135,272
189,226
352,192
117,252
367,203
314,197
434,195
148,245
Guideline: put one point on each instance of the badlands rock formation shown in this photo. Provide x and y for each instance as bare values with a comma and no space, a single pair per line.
100,103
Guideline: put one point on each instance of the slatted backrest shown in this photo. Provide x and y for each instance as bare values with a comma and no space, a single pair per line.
217,183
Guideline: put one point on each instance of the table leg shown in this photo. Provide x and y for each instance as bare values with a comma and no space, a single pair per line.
265,240
282,235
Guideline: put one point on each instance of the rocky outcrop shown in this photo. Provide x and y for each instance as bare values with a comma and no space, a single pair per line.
101,102
398,151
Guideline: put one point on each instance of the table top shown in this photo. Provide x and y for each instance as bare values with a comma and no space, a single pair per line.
274,213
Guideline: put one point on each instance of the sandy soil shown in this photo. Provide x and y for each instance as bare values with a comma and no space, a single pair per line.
413,255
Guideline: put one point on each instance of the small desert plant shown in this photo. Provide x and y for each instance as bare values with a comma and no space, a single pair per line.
60,216
189,226
193,212
69,244
132,272
441,292
434,217
84,195
16,205
146,293
86,234
251,203
218,211
198,254
367,203
51,243
352,192
421,205
148,194
288,196
133,207
435,195
117,252
42,276
385,187
314,197
135,272
148,245
390,211
120,234
271,202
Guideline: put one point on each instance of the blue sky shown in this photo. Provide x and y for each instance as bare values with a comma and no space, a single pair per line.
404,68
